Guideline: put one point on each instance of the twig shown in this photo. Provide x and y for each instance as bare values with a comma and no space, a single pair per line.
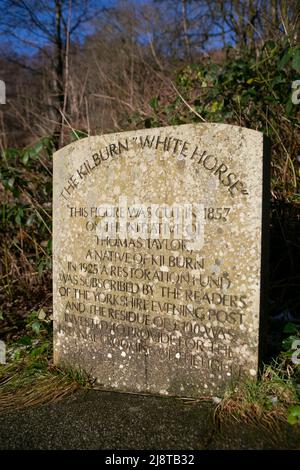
69,125
186,103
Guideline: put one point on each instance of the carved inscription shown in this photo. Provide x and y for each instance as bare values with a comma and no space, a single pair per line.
152,291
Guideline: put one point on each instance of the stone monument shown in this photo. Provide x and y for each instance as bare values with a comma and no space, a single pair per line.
159,257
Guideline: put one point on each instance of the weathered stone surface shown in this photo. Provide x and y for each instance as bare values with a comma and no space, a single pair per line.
157,310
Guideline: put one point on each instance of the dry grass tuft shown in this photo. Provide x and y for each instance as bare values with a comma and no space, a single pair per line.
34,380
45,389
264,402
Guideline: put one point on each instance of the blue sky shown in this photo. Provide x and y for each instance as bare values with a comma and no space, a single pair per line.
19,41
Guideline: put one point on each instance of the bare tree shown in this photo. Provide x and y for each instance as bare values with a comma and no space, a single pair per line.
247,23
46,28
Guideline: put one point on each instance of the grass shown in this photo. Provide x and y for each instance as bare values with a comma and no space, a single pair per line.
30,378
265,401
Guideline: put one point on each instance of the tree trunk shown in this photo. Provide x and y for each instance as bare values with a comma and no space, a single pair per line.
58,74
185,30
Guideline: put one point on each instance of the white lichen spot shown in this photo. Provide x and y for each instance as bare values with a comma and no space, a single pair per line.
165,269
216,400
252,372
123,354
177,333
109,355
